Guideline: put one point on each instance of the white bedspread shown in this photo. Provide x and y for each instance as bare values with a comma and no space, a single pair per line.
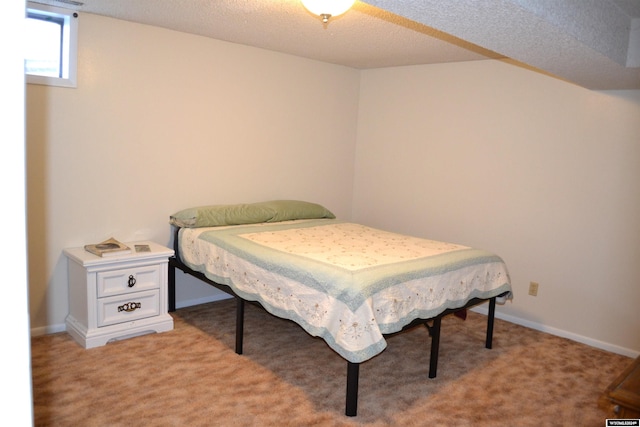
344,282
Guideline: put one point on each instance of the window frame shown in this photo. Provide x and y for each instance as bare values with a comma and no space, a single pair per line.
69,52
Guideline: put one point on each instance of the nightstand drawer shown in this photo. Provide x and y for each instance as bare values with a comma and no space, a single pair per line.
118,282
125,308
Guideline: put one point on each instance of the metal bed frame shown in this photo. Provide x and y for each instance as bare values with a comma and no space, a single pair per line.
353,369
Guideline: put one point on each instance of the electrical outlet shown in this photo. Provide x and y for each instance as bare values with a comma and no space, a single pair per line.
533,289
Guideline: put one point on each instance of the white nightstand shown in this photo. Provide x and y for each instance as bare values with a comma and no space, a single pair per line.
119,296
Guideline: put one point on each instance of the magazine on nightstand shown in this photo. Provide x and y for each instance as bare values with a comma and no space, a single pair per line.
110,247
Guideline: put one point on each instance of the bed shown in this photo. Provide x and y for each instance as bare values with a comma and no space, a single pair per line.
350,284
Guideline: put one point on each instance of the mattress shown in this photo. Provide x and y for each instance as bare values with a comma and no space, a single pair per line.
347,283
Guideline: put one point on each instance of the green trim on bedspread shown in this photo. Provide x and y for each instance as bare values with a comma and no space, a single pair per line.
350,287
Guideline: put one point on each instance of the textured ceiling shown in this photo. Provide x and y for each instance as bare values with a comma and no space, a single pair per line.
594,43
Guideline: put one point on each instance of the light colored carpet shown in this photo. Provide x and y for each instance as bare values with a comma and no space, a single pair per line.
191,377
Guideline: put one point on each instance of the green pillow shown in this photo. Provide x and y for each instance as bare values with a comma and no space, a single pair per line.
272,211
285,210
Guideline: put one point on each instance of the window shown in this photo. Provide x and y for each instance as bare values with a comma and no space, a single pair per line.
51,45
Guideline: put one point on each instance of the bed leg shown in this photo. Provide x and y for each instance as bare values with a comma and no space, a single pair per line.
492,314
435,346
353,372
171,286
239,324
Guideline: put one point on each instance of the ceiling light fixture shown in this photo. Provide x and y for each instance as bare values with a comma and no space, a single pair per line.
325,9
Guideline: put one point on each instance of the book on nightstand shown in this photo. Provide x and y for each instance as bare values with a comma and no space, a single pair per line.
110,247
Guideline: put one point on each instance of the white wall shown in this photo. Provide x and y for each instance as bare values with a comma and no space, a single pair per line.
163,120
542,172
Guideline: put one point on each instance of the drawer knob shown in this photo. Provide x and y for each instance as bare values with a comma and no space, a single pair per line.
132,281
130,306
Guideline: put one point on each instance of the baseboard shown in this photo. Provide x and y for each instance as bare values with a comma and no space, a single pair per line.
46,330
561,333
212,298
